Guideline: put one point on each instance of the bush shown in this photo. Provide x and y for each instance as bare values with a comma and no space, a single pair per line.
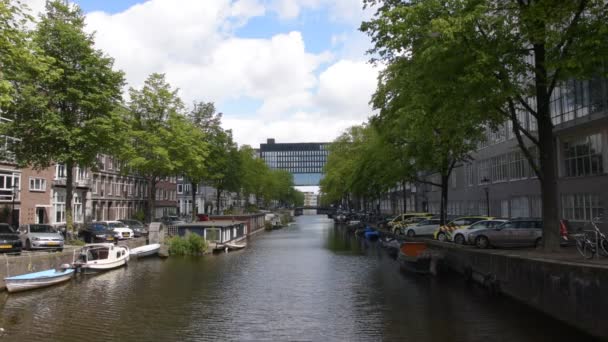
140,216
75,242
268,225
191,244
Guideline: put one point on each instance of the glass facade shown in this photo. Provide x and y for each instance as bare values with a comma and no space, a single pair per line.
304,160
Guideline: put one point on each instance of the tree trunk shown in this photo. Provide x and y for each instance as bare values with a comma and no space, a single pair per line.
69,194
444,200
547,154
194,186
219,194
404,195
151,199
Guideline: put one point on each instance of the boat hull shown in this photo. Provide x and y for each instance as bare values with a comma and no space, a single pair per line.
102,267
144,251
18,285
412,258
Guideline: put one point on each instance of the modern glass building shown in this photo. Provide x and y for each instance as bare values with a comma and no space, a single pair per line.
305,161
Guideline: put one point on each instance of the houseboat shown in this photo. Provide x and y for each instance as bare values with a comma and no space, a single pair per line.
216,233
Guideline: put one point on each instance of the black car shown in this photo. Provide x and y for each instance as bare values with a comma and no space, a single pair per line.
96,232
139,229
9,240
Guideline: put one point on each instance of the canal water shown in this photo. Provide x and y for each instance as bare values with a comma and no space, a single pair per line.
307,282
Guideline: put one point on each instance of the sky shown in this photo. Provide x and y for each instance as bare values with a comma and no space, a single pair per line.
293,70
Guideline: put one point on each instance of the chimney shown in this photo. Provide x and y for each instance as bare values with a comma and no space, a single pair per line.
270,141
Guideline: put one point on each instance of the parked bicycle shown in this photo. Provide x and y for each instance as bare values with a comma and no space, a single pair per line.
592,242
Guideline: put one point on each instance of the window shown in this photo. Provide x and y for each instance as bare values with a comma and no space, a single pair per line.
180,189
469,174
583,156
7,181
520,207
37,184
483,167
581,207
518,166
60,171
59,207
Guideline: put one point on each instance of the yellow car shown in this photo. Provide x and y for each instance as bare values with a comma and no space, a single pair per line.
404,217
444,233
399,227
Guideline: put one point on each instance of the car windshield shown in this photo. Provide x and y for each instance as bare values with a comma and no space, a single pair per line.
116,225
134,224
5,229
41,228
478,225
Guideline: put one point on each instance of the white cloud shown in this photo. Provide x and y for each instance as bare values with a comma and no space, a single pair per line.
304,96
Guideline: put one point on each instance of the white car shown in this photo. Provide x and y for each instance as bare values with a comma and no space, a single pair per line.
461,236
121,230
426,227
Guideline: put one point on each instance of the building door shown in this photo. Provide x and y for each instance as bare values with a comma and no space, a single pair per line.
40,215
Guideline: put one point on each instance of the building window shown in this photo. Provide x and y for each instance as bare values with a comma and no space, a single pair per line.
518,166
520,207
60,171
37,184
581,207
180,189
7,180
583,156
483,168
59,207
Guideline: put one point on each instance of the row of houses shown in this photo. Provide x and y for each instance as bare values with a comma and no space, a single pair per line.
499,182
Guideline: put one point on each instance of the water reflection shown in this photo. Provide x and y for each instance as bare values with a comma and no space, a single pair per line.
309,281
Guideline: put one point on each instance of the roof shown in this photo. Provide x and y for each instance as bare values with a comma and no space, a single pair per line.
210,224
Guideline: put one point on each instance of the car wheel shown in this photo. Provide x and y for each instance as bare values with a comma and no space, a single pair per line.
28,245
482,242
411,233
442,237
459,239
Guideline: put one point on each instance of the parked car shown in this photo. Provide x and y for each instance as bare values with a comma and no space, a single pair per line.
9,240
444,233
461,235
121,230
97,232
139,229
522,232
400,227
426,227
403,217
40,236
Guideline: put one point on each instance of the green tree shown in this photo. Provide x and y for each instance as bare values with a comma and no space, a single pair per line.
156,121
74,120
507,58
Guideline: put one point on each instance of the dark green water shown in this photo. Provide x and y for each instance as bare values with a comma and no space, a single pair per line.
307,282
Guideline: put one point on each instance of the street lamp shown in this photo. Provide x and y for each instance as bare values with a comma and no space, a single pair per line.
487,191
15,189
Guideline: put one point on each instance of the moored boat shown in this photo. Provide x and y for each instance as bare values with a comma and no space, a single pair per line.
146,250
30,281
412,259
235,246
97,257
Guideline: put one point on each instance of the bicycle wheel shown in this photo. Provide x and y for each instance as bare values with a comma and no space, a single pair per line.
584,247
603,247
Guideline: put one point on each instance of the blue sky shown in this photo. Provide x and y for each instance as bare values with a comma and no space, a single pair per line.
295,70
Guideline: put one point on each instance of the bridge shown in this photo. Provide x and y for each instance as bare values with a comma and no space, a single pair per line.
320,210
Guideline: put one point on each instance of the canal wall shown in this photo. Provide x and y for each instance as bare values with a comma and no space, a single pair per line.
29,262
575,293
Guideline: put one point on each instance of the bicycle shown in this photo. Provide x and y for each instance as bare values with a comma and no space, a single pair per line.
592,242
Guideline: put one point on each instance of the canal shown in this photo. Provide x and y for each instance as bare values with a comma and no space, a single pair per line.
307,282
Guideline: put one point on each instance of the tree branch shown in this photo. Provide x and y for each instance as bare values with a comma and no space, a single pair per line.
522,145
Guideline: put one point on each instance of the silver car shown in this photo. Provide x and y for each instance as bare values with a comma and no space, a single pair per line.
40,236
426,227
513,233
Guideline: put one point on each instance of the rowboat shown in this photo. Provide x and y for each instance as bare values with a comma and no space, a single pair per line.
30,281
97,257
235,246
412,258
146,250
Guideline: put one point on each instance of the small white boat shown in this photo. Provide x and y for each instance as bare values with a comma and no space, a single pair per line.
30,281
146,250
97,257
235,246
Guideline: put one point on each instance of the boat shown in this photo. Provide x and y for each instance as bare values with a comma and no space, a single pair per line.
235,246
413,259
30,281
392,246
145,251
97,257
371,234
